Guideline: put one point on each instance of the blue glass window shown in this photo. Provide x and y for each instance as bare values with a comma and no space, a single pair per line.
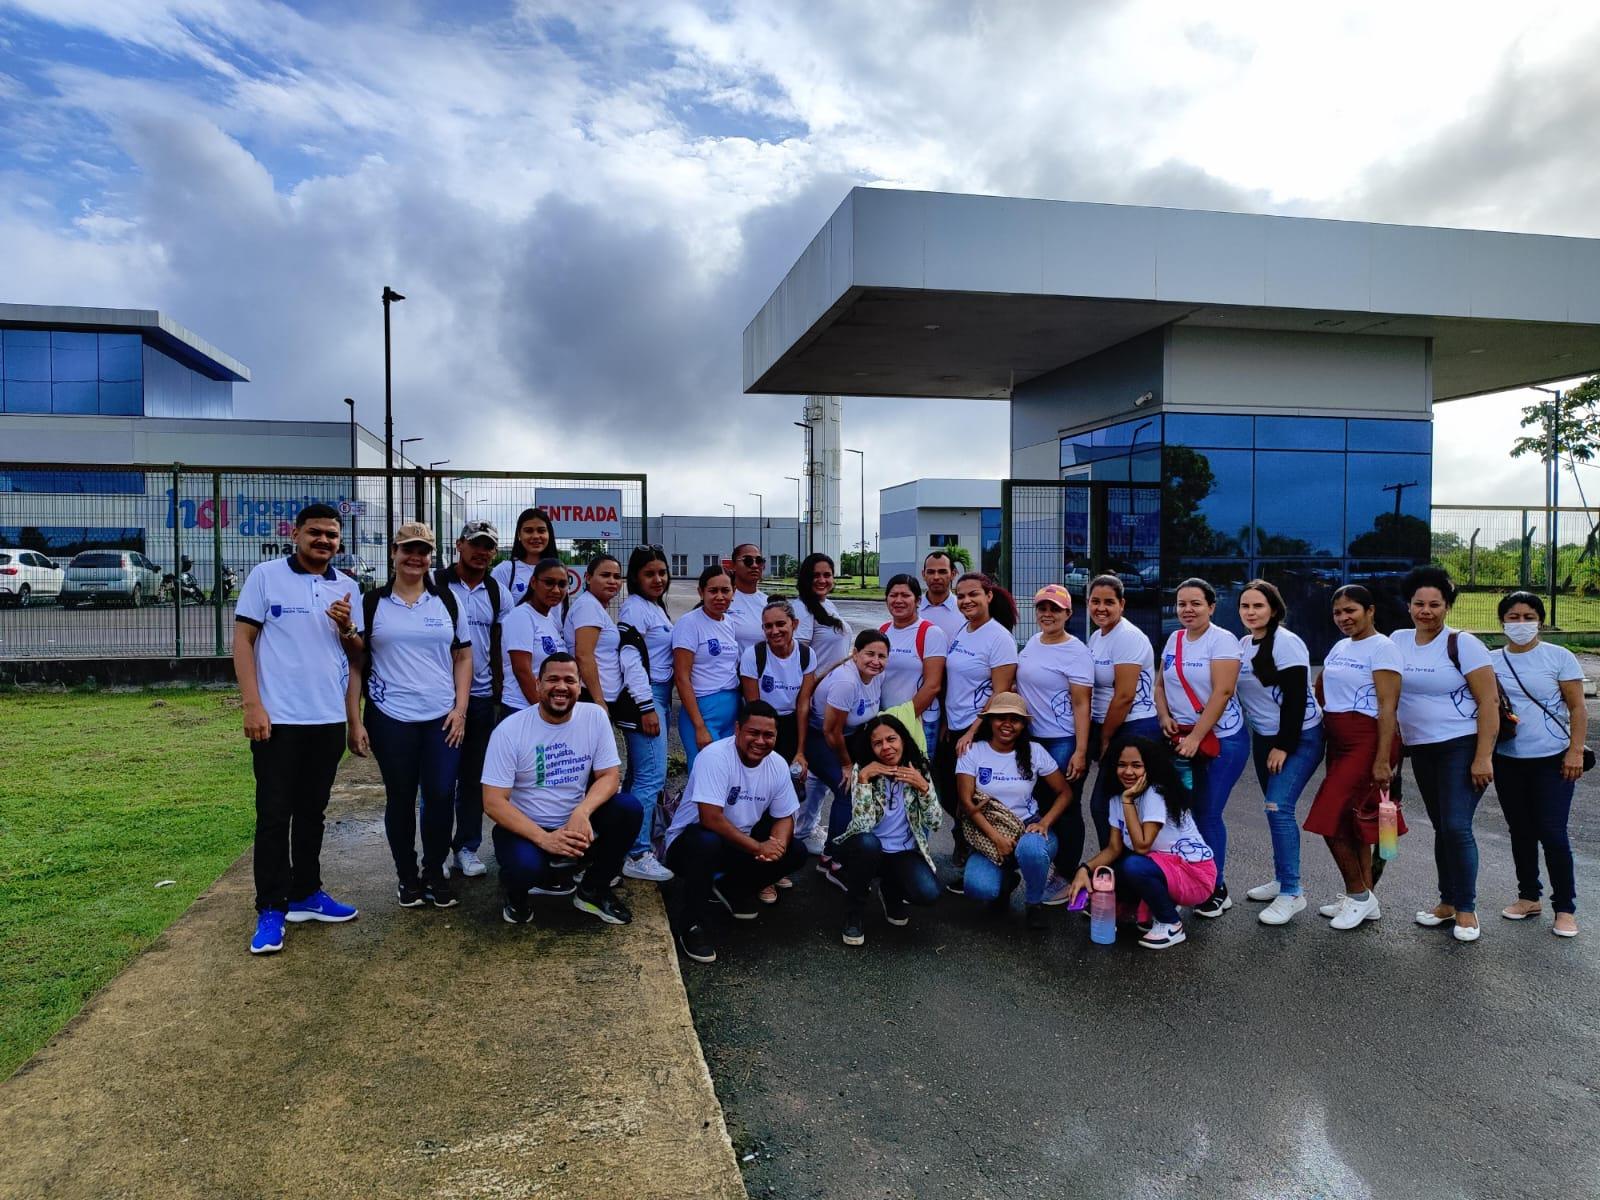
1370,510
121,357
122,399
989,521
73,358
90,483
1128,433
27,355
1300,433
64,542
1208,498
1415,437
75,397
1308,589
27,397
1299,504
1197,429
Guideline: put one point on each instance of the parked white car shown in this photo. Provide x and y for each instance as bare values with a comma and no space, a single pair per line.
104,576
27,576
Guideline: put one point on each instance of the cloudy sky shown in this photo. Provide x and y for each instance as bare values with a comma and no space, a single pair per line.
586,202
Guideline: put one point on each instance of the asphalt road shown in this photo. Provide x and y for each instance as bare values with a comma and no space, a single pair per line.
964,1057
49,631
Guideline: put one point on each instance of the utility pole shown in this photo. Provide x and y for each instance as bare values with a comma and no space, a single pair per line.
1552,494
797,514
390,296
861,562
761,523
811,488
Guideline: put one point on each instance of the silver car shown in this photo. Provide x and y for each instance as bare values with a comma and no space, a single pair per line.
107,576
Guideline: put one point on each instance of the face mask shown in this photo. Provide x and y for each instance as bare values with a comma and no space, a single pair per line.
1521,632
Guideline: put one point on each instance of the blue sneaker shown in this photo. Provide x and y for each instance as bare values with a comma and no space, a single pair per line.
319,906
269,932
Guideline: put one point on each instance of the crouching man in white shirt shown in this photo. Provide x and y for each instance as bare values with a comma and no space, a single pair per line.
550,787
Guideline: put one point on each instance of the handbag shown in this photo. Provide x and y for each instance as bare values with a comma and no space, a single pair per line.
1508,715
1588,754
1210,746
1000,818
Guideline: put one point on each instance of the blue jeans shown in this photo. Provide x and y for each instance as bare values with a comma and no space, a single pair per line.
1069,826
905,873
1139,878
483,714
827,789
413,755
1282,792
718,711
1537,803
983,880
647,768
1444,777
1211,781
1105,782
523,865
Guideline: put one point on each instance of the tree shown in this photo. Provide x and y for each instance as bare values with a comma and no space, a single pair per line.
960,556
1577,425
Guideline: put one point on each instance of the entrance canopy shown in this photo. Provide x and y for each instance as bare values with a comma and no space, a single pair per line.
936,294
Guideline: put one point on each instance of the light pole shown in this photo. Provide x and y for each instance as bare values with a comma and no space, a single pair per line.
811,532
390,296
404,442
797,506
733,523
862,561
354,540
1552,494
761,523
438,462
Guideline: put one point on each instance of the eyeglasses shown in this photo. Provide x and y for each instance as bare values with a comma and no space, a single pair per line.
752,560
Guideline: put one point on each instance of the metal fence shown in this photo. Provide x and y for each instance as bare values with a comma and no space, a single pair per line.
1493,549
146,560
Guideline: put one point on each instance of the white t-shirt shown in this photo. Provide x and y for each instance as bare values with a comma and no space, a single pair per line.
827,645
1347,684
1045,674
845,691
1215,644
301,667
903,676
410,647
650,619
474,604
944,614
744,793
997,774
893,830
1436,703
1182,839
744,613
536,633
780,679
1541,671
1263,705
716,651
1125,645
586,612
548,767
515,576
973,654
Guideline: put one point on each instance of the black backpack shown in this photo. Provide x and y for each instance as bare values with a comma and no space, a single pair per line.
369,611
442,577
763,650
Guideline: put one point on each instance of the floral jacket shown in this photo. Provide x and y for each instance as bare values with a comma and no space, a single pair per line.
869,800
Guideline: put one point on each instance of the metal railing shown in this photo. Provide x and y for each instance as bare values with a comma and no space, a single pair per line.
1493,549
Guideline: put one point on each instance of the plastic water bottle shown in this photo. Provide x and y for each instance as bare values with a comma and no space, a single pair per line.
795,771
1388,828
1103,907
1185,770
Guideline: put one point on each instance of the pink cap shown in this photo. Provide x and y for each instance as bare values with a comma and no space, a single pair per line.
1055,594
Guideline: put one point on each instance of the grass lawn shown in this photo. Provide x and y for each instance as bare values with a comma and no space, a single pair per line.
104,797
1476,611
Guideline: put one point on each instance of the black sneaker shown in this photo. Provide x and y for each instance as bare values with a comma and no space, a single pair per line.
697,945
602,903
411,895
742,907
853,935
563,888
1215,905
514,913
896,911
440,893
1033,917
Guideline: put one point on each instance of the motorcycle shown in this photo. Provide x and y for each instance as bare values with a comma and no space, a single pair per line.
228,586
185,585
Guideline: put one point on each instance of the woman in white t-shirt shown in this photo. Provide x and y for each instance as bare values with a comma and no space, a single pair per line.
1449,715
1359,690
531,633
1286,742
1004,763
535,542
705,665
644,616
850,696
1534,772
1124,703
818,623
917,650
1055,677
1155,848
783,673
1195,697
597,645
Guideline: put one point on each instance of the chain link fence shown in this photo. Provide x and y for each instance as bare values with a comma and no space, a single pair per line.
1490,550
145,561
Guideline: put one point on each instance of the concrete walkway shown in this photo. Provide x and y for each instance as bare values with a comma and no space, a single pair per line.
409,1053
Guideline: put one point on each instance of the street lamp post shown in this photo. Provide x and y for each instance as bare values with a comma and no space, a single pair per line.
354,497
733,523
797,507
404,442
390,296
1552,495
761,523
811,531
862,561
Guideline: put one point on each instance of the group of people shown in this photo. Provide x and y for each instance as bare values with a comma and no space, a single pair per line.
497,692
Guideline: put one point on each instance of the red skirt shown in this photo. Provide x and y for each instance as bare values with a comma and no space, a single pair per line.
1346,805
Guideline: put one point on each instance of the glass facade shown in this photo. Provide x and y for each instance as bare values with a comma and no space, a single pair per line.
61,543
73,483
105,374
989,519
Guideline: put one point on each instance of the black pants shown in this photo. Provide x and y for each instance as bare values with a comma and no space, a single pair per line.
697,856
944,782
905,873
482,716
294,771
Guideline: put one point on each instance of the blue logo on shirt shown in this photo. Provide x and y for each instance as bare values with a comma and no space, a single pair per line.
861,708
985,774
733,796
276,610
767,684
713,647
549,644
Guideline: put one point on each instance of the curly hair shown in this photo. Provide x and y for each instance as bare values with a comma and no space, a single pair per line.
910,754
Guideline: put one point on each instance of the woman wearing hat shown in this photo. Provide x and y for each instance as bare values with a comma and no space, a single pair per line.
419,676
1004,764
1055,677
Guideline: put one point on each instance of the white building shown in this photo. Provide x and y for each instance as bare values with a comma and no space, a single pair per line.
931,514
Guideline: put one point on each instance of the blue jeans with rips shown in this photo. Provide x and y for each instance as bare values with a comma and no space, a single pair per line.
1282,793
1212,782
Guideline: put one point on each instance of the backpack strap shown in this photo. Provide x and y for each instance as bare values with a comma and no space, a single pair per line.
761,658
497,666
922,637
805,658
369,614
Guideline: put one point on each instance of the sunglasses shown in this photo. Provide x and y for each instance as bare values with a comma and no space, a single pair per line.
649,546
752,560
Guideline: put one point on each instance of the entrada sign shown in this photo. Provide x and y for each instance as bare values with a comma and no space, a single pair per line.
583,512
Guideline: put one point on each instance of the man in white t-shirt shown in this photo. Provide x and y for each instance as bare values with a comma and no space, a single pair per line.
749,601
296,644
736,820
550,787
938,603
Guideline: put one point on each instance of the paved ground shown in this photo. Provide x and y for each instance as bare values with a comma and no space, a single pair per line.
407,1054
962,1057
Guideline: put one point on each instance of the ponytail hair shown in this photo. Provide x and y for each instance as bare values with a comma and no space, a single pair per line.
804,578
1265,666
1002,607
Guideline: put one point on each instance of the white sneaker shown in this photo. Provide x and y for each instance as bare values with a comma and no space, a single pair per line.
817,840
1281,909
647,867
1353,912
1264,891
469,864
1332,908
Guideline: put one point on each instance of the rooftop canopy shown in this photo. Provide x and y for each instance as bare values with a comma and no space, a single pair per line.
162,331
935,294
